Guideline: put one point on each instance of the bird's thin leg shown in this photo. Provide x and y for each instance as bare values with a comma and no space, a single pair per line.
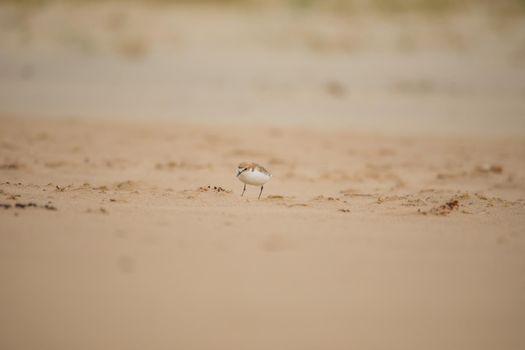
260,192
244,189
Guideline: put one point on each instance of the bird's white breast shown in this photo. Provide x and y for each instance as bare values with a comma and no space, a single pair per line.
255,178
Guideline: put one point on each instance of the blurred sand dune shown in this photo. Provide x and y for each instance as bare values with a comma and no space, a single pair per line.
460,73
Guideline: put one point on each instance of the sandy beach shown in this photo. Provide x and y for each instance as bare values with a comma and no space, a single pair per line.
114,234
395,217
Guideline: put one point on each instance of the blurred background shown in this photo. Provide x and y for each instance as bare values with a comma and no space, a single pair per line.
432,66
132,233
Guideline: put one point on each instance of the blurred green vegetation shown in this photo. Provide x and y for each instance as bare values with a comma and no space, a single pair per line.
403,6
383,6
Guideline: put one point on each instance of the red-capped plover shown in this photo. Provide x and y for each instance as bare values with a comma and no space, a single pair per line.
253,174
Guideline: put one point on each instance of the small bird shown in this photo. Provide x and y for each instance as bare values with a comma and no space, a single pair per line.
253,174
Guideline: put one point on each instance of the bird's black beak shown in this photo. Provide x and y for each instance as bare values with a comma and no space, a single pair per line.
239,172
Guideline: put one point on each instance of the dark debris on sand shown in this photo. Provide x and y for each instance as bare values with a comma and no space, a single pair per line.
27,205
217,189
443,209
